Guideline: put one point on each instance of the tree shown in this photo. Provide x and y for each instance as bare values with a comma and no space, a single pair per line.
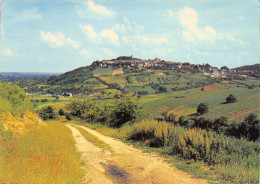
220,124
47,113
13,98
202,108
163,116
124,110
171,118
61,112
231,99
162,89
251,127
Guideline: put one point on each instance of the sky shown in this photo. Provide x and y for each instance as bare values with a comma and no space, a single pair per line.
61,35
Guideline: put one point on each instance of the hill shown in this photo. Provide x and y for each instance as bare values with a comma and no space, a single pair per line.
250,70
126,75
255,67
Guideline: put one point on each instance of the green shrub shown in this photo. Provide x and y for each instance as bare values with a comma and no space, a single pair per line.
13,99
47,113
202,108
61,112
68,116
231,99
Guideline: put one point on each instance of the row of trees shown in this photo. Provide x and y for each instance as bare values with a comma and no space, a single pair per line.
113,114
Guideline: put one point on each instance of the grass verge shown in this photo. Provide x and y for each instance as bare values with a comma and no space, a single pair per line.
43,155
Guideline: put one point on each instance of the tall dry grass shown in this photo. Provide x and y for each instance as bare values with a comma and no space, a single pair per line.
46,154
234,160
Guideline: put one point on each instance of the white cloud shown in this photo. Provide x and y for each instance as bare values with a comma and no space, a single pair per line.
88,31
107,35
92,10
111,35
72,43
210,32
58,40
188,18
8,52
100,10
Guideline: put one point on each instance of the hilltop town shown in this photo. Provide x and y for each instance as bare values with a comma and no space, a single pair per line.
131,62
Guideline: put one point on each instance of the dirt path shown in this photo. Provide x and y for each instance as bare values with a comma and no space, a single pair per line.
127,164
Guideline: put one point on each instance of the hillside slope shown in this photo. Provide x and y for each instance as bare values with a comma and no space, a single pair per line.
107,82
255,67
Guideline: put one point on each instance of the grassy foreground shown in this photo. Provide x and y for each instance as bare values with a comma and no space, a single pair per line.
46,154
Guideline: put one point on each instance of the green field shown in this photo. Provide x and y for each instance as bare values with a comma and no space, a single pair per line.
185,102
102,72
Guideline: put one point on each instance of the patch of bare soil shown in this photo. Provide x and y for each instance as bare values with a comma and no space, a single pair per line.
210,88
127,164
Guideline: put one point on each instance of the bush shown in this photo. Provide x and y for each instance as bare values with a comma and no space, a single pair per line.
168,118
44,100
124,111
68,116
249,128
231,99
47,113
61,112
13,98
202,108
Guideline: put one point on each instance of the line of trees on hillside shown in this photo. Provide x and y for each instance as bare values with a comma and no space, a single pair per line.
113,114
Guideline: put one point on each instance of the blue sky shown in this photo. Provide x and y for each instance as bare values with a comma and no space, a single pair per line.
61,35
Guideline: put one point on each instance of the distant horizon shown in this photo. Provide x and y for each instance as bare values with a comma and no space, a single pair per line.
59,36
